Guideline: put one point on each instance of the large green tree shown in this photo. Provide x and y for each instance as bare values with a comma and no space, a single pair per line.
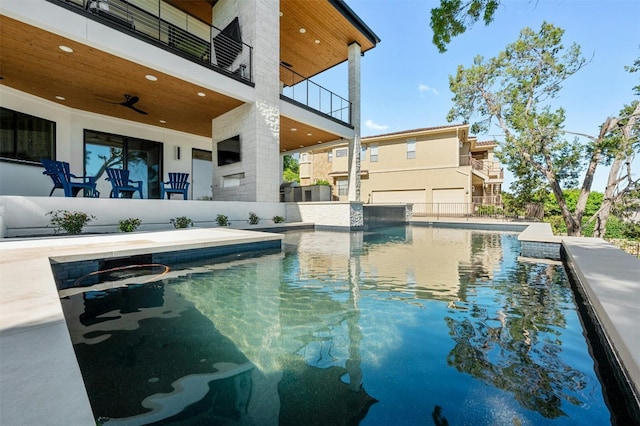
514,91
454,17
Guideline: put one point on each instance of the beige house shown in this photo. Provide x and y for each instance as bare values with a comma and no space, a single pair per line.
435,167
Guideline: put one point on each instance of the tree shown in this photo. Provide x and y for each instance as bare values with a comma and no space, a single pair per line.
453,17
621,191
291,169
513,91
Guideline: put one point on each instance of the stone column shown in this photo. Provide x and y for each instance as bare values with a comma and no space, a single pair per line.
258,124
354,144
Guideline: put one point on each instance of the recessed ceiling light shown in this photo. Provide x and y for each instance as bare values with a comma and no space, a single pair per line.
163,121
309,134
202,94
66,49
319,141
151,77
317,41
302,31
301,146
60,98
281,13
293,129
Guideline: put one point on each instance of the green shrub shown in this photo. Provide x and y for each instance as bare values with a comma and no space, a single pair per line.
322,182
71,222
253,218
181,222
129,225
278,219
488,210
222,220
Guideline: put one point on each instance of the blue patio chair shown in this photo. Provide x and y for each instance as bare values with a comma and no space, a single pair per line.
62,178
121,184
178,183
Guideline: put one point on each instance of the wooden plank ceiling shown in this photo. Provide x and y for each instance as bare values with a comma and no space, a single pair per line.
93,80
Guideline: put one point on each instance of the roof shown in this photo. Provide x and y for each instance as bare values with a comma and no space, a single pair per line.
486,143
420,130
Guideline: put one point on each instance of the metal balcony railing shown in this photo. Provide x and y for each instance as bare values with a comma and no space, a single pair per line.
174,30
491,169
304,91
487,199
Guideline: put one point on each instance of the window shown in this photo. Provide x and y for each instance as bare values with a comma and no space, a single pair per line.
363,152
330,156
342,152
143,159
373,153
343,187
229,151
303,157
25,137
411,149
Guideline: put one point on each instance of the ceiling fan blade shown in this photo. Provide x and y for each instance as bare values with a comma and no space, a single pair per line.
137,110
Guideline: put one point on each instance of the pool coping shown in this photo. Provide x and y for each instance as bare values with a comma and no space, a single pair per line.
35,343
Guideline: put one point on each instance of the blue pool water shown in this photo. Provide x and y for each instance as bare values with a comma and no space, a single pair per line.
402,326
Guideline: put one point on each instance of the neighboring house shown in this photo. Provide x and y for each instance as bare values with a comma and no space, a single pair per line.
436,165
218,89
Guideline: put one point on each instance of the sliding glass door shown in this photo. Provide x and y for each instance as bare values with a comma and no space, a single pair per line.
142,158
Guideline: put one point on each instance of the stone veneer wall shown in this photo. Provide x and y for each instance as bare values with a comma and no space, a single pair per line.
337,215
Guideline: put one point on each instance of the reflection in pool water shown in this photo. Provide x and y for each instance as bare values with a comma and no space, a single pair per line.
407,325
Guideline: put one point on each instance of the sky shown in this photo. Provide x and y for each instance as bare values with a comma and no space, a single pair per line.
405,80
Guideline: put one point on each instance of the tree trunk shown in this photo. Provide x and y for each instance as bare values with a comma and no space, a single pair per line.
574,227
602,215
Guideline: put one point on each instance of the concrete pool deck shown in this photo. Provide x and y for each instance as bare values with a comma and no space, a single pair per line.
40,381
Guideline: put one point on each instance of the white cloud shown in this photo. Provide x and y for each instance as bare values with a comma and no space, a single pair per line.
422,88
375,126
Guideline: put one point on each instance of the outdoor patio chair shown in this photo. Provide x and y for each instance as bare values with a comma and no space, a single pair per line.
121,184
178,183
60,174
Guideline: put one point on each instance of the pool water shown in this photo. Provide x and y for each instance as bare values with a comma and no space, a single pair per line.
403,326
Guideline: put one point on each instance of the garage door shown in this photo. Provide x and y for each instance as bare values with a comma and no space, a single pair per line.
449,202
448,195
398,197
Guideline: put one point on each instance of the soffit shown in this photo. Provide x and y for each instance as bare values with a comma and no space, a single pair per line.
303,135
323,21
31,61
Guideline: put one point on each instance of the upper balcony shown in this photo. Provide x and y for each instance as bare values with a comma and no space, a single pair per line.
307,94
172,29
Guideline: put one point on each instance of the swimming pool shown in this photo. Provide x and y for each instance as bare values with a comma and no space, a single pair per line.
405,325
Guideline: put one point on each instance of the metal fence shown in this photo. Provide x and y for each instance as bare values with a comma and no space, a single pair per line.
175,30
496,211
306,92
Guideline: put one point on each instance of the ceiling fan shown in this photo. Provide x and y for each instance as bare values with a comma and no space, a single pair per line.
129,102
